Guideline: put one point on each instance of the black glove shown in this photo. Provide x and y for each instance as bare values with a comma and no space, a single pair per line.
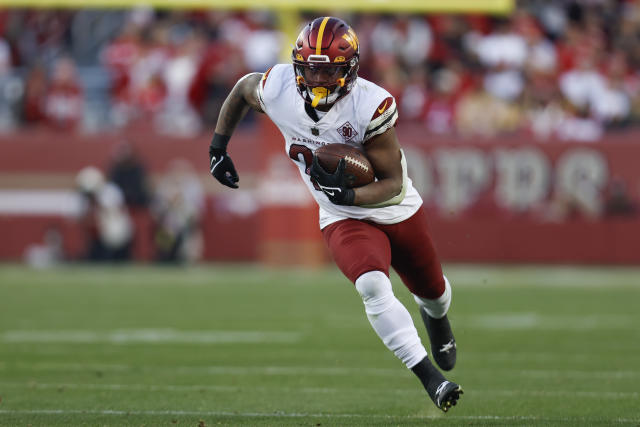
334,185
220,163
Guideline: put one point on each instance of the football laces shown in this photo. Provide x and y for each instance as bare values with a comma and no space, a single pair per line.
357,163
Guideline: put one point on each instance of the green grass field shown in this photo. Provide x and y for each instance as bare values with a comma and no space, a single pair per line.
245,345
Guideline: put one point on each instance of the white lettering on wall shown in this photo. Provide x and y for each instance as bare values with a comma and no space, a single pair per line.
522,178
581,176
462,175
519,179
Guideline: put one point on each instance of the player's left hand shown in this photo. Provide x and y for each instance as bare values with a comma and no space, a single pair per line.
334,185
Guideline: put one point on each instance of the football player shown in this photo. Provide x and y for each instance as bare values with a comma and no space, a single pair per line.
320,100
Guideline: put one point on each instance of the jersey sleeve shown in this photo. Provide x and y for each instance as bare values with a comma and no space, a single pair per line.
260,89
384,117
271,85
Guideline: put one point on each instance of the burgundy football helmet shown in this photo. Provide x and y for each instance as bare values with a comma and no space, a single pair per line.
325,60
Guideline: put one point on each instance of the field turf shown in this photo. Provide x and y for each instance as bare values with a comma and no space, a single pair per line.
246,345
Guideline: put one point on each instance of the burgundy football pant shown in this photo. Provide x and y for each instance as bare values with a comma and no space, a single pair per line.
361,246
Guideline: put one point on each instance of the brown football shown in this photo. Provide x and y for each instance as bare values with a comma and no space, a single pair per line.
358,168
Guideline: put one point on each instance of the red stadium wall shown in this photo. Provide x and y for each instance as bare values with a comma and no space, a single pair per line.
500,200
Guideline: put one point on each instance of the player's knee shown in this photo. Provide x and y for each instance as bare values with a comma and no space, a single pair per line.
377,294
437,307
373,285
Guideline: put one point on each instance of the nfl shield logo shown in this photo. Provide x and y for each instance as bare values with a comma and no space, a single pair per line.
347,132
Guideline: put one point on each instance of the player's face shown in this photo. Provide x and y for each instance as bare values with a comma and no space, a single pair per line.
322,75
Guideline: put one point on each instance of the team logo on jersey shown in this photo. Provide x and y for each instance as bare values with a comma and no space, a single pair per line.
347,132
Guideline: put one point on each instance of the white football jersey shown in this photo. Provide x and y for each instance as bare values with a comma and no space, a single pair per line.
368,110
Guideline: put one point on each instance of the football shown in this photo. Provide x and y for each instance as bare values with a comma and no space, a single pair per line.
357,168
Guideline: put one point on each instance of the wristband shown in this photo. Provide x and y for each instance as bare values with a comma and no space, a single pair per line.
220,141
349,197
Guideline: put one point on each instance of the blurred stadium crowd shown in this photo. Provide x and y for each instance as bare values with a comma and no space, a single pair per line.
554,70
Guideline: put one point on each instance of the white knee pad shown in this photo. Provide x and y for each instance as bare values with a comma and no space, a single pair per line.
375,289
438,307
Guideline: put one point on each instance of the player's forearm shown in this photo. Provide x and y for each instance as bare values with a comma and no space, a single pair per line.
377,193
386,191
233,110
235,107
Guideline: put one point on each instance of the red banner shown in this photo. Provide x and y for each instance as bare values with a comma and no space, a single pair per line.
508,200
524,200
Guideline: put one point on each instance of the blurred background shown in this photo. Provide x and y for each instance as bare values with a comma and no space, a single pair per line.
520,121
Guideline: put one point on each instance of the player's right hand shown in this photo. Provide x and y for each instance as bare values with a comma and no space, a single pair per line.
222,168
334,185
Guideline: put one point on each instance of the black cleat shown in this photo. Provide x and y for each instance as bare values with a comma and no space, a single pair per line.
444,393
443,344
447,395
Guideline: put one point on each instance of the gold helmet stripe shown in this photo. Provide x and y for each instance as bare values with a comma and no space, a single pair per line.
320,34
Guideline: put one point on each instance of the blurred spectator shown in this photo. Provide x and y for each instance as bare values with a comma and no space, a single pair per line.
108,227
408,37
480,114
613,105
503,53
129,174
119,57
415,94
582,85
542,57
218,71
578,126
543,109
178,116
5,57
39,34
35,95
262,46
63,105
439,115
177,209
48,253
8,86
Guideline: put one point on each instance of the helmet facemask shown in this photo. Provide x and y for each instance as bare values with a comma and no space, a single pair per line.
323,83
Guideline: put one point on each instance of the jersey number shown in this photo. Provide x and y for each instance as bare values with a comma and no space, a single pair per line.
301,153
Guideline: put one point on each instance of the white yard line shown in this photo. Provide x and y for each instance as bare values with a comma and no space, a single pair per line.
211,370
208,387
542,276
303,370
506,356
148,336
69,366
537,321
575,374
157,387
304,415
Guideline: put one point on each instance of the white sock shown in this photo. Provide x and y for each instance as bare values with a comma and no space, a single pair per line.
389,318
437,308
